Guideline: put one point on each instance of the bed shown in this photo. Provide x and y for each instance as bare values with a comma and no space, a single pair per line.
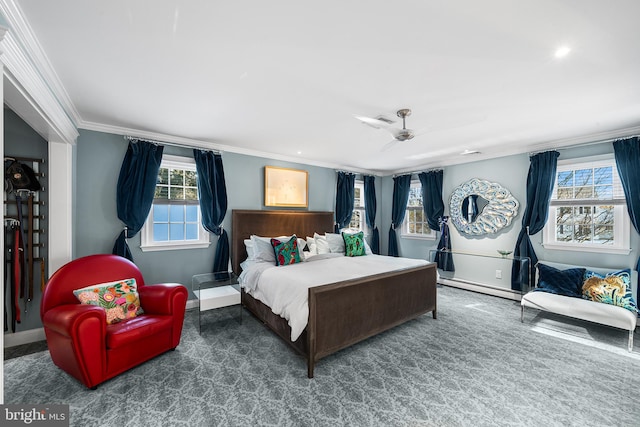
341,313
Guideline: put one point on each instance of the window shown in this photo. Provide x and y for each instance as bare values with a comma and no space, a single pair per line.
358,218
588,211
174,218
415,221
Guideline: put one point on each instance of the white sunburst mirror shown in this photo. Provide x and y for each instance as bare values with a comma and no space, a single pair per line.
481,207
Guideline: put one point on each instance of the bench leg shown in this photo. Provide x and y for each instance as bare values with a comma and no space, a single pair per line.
630,341
522,314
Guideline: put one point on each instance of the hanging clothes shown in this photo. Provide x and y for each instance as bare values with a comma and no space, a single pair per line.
21,253
17,277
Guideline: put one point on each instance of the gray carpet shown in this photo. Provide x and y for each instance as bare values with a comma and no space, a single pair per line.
476,365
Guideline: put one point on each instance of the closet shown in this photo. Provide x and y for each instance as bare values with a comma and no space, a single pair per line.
25,224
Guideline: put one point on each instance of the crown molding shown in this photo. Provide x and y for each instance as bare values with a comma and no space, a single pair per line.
209,145
25,77
30,72
557,144
33,50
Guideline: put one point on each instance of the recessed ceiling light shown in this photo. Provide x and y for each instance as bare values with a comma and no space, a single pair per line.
467,152
299,152
562,51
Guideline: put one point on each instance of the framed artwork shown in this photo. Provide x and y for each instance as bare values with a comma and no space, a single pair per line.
286,187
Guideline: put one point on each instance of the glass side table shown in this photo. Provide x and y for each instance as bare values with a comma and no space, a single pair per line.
215,290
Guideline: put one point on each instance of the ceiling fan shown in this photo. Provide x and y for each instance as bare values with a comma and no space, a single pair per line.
399,135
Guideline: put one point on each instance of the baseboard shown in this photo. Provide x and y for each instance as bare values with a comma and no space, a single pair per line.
24,337
35,335
484,289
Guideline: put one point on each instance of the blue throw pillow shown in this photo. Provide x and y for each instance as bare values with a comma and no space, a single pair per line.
560,282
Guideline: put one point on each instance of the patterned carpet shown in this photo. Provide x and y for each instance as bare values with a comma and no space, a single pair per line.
476,365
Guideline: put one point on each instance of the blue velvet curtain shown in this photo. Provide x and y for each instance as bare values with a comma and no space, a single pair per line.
627,152
370,207
212,192
344,199
540,181
135,190
401,187
444,257
433,207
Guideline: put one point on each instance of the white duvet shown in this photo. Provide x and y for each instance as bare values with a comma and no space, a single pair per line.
285,289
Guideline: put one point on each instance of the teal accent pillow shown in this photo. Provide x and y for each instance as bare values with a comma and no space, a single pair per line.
561,282
354,244
612,288
286,252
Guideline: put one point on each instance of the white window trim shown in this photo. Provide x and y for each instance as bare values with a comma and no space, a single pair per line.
404,233
362,209
146,233
622,233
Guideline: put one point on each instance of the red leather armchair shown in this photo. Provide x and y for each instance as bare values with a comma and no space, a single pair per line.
81,342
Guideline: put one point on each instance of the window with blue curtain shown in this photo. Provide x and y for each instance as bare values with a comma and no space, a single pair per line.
174,218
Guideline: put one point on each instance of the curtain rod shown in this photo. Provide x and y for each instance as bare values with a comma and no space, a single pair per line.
172,144
584,144
351,172
417,172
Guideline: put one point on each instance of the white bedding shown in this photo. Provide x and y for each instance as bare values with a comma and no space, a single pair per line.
285,289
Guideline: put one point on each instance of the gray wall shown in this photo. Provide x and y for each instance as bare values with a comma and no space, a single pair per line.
22,141
510,172
99,156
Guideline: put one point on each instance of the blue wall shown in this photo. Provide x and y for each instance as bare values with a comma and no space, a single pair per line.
510,172
96,225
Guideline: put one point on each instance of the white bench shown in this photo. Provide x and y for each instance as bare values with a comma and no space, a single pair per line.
605,314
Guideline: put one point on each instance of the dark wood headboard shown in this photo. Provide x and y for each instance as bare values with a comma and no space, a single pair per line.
244,223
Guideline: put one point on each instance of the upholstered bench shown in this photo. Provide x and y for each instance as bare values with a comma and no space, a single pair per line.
583,309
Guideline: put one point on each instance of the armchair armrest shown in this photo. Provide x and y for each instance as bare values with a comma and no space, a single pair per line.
66,319
163,298
76,337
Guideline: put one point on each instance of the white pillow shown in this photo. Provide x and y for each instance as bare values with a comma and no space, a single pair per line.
301,244
311,242
262,249
248,244
322,245
336,243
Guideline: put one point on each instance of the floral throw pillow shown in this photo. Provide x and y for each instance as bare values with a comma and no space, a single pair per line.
286,252
354,244
613,288
120,299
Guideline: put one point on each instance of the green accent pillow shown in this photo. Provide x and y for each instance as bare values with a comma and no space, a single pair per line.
612,288
286,252
354,244
120,299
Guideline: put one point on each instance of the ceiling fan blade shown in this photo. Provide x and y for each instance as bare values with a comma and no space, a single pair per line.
378,124
389,145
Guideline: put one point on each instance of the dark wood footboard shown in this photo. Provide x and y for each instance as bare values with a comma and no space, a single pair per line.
344,313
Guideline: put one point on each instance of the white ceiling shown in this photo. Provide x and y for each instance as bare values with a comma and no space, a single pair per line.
284,79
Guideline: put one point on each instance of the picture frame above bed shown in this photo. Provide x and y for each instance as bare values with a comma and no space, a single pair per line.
284,187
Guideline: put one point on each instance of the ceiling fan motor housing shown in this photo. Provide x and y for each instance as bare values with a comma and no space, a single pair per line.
404,135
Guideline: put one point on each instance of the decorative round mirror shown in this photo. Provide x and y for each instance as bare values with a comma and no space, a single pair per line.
482,207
